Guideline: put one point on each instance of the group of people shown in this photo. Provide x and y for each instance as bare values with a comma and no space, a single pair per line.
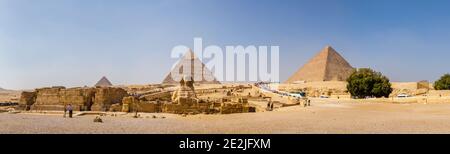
68,108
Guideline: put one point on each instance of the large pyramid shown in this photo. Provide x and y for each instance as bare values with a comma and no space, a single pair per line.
103,82
198,70
327,65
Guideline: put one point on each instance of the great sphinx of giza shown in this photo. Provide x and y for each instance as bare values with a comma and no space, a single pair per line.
186,92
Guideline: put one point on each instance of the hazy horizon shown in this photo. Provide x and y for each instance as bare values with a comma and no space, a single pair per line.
74,43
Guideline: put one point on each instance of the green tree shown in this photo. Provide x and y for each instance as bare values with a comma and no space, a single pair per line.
366,82
443,83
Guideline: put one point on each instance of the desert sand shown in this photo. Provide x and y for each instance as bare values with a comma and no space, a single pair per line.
9,95
324,116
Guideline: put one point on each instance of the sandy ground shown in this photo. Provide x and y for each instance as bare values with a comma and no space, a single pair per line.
9,96
321,117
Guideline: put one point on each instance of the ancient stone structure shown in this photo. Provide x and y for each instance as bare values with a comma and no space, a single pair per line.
327,65
132,104
128,102
82,99
48,99
182,100
105,97
424,85
194,68
26,100
237,105
158,96
103,82
185,93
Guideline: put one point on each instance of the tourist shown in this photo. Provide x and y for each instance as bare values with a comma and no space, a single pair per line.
70,110
65,111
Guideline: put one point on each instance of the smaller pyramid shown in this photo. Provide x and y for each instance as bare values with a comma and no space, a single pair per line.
103,82
327,65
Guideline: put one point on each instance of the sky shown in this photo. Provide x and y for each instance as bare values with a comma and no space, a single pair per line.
75,42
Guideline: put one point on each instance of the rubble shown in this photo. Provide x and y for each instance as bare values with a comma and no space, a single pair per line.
98,120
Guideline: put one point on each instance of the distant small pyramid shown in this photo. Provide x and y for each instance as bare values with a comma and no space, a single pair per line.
327,65
198,70
103,82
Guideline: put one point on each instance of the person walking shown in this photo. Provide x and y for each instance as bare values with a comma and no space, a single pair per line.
70,109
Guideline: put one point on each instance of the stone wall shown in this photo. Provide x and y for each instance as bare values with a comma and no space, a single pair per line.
26,100
81,99
228,108
198,108
48,99
149,106
163,96
107,96
424,85
58,97
336,88
117,99
128,103
439,93
132,104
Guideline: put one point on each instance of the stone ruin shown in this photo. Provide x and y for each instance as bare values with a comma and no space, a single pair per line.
183,100
236,105
105,97
27,99
133,104
82,99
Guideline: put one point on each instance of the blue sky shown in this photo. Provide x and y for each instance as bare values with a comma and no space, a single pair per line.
76,42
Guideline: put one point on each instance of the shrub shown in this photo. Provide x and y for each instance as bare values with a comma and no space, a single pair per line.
443,83
367,83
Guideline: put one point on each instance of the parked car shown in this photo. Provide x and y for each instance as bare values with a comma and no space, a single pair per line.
323,96
403,95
